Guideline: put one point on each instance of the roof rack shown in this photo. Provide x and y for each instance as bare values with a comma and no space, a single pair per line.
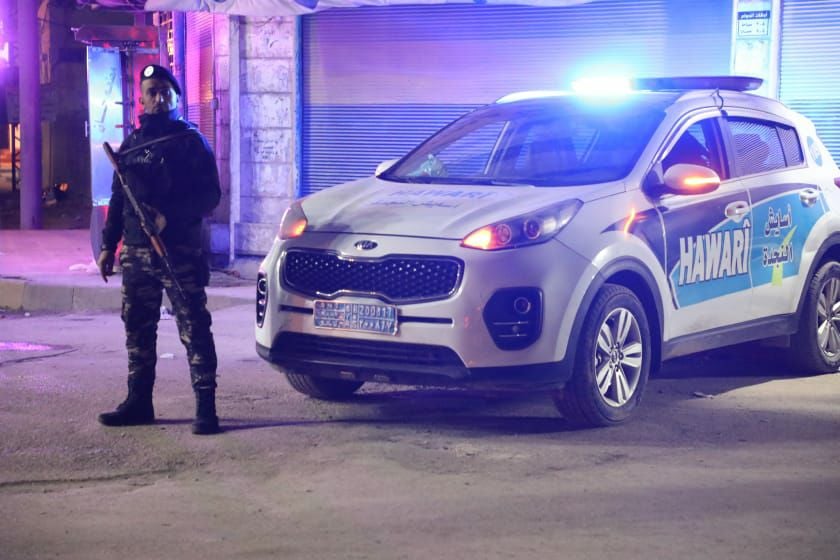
734,83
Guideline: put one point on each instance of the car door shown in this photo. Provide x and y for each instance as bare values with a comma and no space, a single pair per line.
769,161
707,237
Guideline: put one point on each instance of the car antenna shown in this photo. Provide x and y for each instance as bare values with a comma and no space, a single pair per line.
719,98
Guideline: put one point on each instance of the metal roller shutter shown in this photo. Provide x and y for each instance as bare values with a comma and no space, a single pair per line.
200,54
809,81
377,80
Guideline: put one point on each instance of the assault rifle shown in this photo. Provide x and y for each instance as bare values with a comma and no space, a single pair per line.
147,224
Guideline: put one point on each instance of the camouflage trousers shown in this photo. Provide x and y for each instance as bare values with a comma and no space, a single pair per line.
143,282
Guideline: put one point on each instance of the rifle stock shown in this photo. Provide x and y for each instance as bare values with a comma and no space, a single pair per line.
147,225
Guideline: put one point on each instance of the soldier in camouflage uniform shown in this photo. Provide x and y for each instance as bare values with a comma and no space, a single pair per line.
174,176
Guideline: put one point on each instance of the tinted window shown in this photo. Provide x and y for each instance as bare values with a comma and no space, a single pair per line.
698,146
758,147
790,145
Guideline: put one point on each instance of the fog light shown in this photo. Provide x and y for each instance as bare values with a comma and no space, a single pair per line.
513,317
262,297
522,305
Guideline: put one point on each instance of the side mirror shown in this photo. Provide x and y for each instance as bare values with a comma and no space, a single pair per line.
687,178
385,166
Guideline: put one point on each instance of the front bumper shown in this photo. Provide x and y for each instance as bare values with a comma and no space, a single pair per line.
445,341
403,364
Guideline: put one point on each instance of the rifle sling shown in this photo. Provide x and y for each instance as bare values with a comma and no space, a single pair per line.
156,141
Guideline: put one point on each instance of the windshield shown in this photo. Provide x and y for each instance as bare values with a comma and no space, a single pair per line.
548,142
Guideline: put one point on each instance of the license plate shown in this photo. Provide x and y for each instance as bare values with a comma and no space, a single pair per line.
362,317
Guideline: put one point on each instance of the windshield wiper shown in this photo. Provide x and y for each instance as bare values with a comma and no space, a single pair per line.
478,182
406,179
502,183
487,181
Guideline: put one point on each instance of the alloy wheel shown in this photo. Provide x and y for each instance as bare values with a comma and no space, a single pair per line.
828,318
619,357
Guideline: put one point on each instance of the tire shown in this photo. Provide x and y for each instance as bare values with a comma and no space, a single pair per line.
612,364
322,387
815,348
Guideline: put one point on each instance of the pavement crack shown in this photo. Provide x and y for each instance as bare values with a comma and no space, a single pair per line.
84,479
38,357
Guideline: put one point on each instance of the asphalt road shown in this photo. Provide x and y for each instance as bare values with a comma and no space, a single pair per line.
731,456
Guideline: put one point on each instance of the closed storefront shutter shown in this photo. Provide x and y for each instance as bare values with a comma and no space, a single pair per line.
200,101
377,80
809,81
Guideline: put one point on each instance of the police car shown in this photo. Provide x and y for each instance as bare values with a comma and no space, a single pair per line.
567,242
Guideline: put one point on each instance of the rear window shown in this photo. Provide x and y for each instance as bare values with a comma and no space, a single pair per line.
762,146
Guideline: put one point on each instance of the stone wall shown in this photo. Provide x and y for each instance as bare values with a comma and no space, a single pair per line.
266,130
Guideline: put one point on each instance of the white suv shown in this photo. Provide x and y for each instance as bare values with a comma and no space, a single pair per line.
565,242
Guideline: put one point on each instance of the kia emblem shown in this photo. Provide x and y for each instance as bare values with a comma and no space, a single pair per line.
366,245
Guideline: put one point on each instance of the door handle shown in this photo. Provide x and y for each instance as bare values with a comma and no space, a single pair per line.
809,197
737,210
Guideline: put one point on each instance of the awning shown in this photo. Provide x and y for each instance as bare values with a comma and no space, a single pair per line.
288,7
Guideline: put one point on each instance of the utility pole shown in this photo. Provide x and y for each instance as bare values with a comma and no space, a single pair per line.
30,114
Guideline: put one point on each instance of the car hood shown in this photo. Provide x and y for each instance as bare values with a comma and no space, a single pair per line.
374,206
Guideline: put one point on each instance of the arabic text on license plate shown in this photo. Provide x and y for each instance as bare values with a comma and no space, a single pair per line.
365,317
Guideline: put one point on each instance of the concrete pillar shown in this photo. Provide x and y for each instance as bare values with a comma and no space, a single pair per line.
756,42
179,28
235,141
30,114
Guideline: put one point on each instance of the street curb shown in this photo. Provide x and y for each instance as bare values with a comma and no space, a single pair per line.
22,294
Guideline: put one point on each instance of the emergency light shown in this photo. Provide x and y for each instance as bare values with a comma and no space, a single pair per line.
602,85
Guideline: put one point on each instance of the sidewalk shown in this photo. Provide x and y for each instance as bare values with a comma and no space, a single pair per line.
54,270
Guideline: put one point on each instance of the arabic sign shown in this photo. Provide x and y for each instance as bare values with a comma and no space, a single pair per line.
755,42
754,24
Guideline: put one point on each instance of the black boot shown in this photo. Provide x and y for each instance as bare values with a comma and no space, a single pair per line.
206,422
135,410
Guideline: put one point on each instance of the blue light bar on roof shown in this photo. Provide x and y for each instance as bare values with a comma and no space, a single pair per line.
602,85
610,86
734,83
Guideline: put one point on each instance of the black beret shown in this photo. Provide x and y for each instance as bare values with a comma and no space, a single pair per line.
161,73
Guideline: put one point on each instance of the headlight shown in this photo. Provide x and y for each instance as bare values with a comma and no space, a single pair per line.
293,223
528,229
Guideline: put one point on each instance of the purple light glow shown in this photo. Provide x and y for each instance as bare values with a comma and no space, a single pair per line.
22,347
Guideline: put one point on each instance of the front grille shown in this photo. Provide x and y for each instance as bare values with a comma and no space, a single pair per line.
292,346
396,278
